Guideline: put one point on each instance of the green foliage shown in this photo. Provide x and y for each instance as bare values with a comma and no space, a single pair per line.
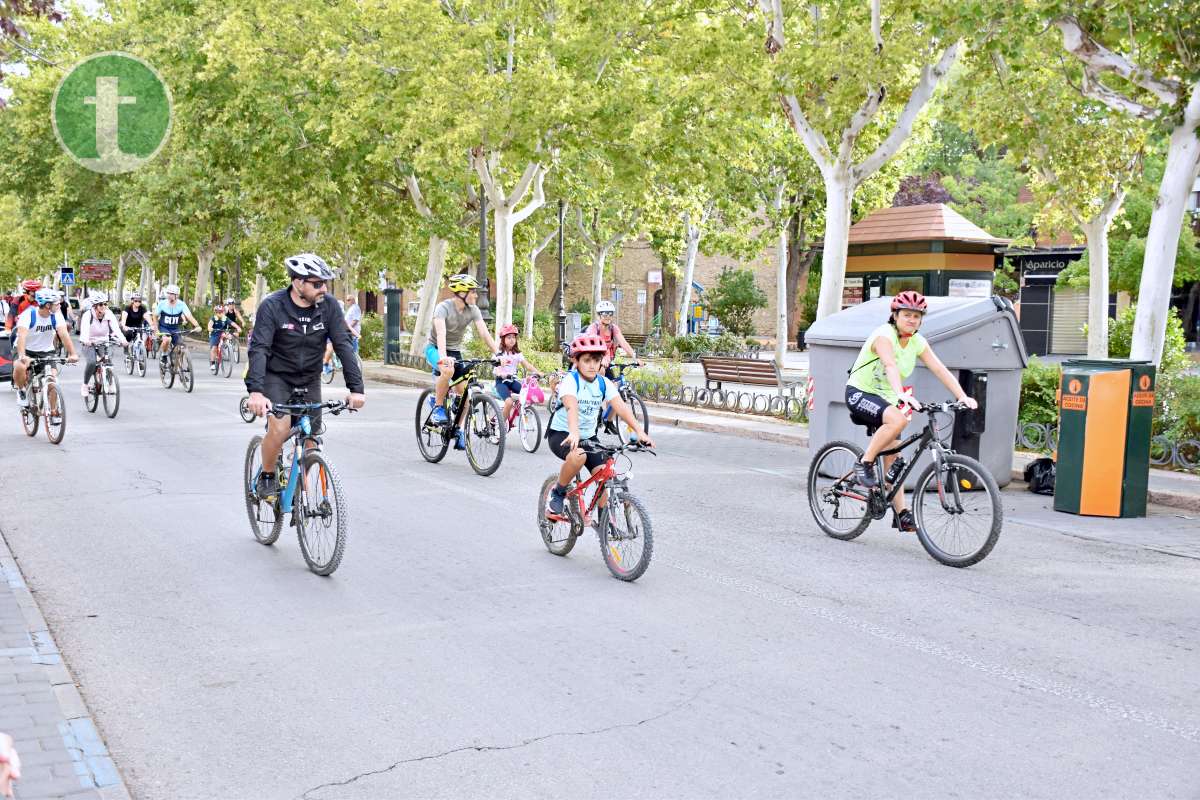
371,344
1039,393
735,298
690,346
584,309
665,372
1175,392
543,329
986,190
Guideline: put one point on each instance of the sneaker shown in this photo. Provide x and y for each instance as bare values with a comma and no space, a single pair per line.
267,487
460,440
904,521
22,398
85,390
438,417
328,369
610,426
212,367
554,504
864,474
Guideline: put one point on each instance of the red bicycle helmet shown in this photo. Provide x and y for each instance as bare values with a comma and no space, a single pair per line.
31,285
587,343
505,330
911,301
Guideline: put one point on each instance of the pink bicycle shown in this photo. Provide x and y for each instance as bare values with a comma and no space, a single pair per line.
524,417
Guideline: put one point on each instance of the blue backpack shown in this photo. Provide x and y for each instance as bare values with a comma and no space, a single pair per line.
558,403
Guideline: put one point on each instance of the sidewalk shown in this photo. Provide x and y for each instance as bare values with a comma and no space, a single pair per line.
62,754
1174,489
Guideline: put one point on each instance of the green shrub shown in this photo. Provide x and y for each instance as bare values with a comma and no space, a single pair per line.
735,298
371,344
202,315
689,346
669,373
584,307
1039,390
543,329
729,342
1174,390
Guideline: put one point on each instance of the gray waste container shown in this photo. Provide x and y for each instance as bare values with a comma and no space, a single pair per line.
978,339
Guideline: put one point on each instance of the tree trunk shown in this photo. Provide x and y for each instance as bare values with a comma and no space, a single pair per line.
434,265
1162,240
1096,234
530,295
667,320
839,191
781,273
119,289
689,269
502,225
173,271
599,261
260,285
204,259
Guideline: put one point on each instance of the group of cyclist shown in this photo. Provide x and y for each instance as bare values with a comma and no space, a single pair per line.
297,330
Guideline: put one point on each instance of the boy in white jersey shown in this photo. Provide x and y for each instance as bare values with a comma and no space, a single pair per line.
36,331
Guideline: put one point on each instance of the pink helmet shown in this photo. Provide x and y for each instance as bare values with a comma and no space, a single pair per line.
505,330
913,301
587,343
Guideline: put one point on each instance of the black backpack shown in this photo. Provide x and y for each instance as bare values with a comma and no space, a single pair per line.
1039,474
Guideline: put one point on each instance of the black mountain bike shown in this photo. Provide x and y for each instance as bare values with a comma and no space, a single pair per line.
478,419
956,502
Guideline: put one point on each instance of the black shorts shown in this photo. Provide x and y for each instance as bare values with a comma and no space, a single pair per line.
557,441
278,389
865,408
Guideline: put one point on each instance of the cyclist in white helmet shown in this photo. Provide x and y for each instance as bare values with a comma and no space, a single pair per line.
37,328
98,326
286,349
170,314
608,330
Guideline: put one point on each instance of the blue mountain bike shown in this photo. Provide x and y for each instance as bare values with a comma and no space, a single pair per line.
309,490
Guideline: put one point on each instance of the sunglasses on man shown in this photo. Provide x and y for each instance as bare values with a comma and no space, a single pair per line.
316,283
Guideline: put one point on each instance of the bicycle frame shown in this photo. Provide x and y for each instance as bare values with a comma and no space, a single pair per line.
926,439
299,435
602,477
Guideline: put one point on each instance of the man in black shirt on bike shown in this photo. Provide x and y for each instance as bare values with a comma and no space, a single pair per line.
286,352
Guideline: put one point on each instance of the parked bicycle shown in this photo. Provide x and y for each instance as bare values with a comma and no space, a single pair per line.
474,423
136,353
46,402
104,384
956,502
309,489
178,363
616,426
622,522
524,417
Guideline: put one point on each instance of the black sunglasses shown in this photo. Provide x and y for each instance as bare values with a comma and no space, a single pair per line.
314,282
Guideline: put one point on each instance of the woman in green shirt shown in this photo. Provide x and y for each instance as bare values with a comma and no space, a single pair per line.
876,389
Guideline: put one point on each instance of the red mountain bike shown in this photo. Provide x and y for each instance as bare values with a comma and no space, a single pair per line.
622,523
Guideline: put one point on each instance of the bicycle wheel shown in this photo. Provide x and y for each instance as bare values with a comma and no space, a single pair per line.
55,412
837,503
92,401
141,363
484,432
327,374
958,514
265,522
529,427
112,392
627,537
321,520
237,351
639,413
432,439
130,361
186,376
559,536
166,372
29,414
226,360
244,410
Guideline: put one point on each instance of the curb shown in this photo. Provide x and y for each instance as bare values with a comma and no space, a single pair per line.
93,764
1187,501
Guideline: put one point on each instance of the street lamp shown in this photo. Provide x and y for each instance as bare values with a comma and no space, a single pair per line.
561,333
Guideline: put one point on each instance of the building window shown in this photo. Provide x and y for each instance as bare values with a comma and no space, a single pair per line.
895,284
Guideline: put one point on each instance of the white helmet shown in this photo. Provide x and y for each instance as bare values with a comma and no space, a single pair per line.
98,297
605,306
171,289
308,265
135,296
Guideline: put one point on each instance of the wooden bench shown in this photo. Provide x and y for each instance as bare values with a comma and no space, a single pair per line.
636,340
749,371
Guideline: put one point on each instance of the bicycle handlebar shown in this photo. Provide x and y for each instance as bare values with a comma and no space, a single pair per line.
626,365
944,407
593,447
334,407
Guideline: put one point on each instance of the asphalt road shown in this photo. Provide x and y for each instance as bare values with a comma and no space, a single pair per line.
452,656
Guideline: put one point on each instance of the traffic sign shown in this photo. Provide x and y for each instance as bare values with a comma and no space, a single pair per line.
67,278
96,269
